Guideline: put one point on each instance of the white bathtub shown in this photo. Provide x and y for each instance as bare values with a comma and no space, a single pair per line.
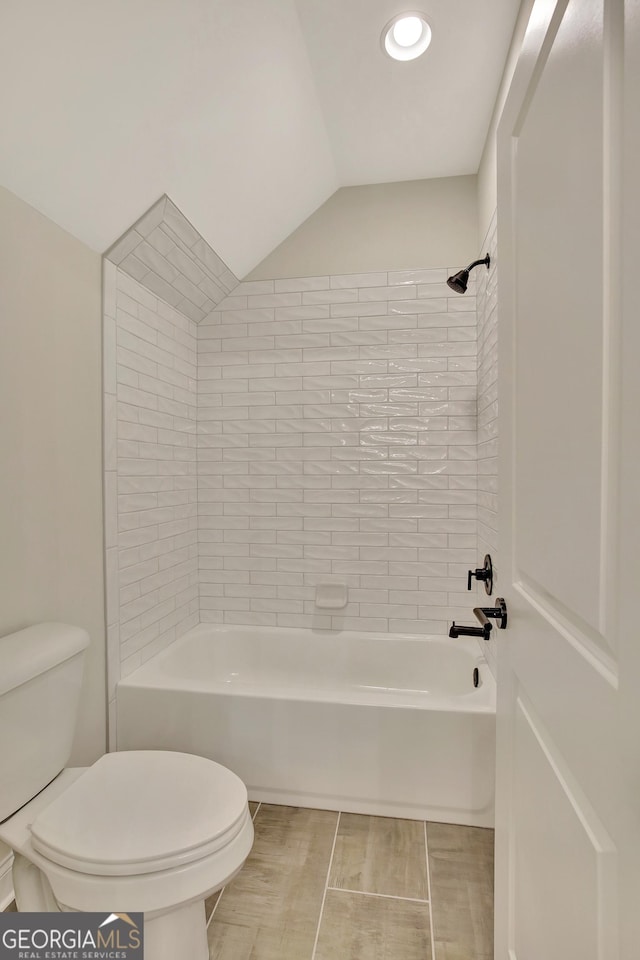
365,723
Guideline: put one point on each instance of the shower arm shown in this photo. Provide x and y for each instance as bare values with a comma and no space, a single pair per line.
476,263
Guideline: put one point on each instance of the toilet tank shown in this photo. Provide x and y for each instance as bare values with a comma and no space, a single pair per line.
40,681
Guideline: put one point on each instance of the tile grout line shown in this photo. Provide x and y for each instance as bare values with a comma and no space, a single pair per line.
429,893
215,906
384,896
199,483
326,887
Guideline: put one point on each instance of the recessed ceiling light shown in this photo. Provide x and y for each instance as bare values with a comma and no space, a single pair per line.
406,36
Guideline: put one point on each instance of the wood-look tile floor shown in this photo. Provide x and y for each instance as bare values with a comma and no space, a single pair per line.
320,885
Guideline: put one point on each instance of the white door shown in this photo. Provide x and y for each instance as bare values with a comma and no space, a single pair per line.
568,792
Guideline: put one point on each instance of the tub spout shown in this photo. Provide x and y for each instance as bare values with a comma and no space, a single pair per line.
458,630
482,614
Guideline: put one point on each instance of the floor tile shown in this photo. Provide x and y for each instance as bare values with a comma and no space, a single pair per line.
461,867
359,927
211,901
380,855
271,910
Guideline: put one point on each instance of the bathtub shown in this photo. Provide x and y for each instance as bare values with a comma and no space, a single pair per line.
364,723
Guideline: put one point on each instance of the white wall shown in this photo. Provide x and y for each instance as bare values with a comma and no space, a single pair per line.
387,226
337,443
488,170
213,103
51,565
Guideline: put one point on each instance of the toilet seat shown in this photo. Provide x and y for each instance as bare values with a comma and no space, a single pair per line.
149,892
142,812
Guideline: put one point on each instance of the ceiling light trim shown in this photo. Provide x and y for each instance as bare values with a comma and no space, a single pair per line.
401,51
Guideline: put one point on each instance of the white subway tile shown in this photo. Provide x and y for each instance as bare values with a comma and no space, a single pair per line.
278,328
359,309
305,313
253,287
420,335
433,290
466,304
386,322
303,369
330,429
342,295
274,300
340,281
303,340
367,294
330,325
300,284
436,276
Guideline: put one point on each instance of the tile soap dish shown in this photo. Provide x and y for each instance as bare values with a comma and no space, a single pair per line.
331,596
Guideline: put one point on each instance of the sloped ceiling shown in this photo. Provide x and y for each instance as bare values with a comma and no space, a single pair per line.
407,121
108,104
248,113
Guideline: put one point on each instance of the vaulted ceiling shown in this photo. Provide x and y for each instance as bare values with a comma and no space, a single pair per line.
248,113
407,121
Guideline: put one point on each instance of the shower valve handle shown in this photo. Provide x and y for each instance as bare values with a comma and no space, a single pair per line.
479,573
483,574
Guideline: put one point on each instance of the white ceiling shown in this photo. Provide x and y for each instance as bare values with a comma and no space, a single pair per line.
407,121
247,113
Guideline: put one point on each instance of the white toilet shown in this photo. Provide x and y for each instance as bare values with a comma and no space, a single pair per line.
149,831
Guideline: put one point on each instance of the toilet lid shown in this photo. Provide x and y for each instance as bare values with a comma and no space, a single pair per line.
141,811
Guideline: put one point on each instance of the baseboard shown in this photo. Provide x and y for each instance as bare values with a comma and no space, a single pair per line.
6,882
375,808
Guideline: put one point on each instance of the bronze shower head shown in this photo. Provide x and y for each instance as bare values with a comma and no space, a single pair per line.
459,280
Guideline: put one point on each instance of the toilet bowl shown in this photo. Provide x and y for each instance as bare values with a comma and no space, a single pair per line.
145,831
141,831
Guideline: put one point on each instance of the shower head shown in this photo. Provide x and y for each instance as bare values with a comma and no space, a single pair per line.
459,280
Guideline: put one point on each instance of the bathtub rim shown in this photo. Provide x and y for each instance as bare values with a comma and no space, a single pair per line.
149,675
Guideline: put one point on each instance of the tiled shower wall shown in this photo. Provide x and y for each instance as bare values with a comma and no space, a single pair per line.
306,431
487,293
158,280
337,443
151,472
171,260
